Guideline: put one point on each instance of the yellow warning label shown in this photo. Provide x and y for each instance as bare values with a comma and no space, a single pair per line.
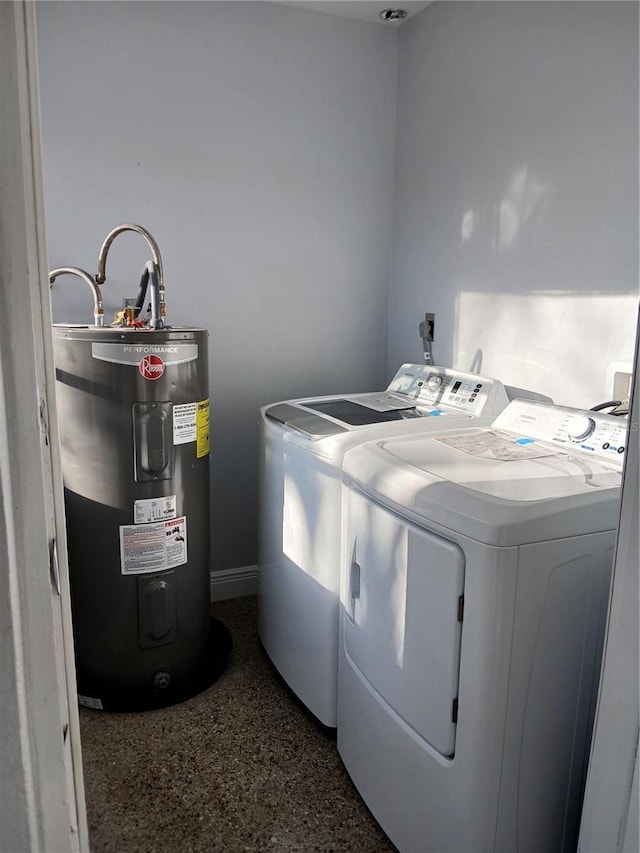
202,428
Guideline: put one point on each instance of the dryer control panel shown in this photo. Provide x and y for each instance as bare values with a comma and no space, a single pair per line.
431,386
604,436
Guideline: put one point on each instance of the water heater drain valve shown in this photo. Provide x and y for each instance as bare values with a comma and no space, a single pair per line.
161,680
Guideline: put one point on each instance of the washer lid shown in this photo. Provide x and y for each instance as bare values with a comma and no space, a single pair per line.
301,420
551,492
323,417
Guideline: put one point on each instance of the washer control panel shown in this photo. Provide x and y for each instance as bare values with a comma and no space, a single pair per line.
432,386
604,436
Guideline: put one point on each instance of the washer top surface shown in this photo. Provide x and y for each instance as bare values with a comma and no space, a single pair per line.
539,472
422,395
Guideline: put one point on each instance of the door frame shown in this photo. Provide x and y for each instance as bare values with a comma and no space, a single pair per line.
42,802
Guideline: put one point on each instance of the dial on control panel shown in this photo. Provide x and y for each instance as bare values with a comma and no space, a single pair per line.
580,427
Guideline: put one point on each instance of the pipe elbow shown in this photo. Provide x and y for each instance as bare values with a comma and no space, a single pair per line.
98,309
120,229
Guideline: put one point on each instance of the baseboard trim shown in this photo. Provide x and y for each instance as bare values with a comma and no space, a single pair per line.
234,583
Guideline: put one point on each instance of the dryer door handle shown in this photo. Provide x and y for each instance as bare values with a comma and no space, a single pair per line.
354,586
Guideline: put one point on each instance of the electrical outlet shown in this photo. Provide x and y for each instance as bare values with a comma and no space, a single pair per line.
618,380
427,327
622,386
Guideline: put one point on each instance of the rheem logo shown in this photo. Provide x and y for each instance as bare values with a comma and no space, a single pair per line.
151,367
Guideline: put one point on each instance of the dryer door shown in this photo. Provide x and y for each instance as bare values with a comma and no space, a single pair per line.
403,627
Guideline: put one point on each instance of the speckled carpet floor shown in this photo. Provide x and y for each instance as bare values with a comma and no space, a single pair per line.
241,767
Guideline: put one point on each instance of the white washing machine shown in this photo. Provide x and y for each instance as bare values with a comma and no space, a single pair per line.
303,444
476,570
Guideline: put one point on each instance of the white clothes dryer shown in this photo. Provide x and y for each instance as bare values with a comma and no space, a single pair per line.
302,446
476,571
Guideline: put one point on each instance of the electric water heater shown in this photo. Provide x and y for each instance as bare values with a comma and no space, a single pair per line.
133,408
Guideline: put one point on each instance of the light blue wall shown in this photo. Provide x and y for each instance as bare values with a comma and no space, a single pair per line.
256,143
516,211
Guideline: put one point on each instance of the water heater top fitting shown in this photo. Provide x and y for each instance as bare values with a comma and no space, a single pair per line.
156,282
152,279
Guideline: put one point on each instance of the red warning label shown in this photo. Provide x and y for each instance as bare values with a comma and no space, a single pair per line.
153,547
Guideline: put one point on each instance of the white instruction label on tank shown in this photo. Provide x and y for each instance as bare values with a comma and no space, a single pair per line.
154,509
184,423
153,547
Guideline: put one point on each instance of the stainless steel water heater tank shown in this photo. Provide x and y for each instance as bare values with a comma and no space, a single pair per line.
133,406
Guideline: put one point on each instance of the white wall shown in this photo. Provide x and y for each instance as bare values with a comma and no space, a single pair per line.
256,143
516,211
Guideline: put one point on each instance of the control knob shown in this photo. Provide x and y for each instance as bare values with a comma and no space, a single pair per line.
580,427
434,382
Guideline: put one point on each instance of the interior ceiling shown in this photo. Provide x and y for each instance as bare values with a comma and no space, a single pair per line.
363,10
